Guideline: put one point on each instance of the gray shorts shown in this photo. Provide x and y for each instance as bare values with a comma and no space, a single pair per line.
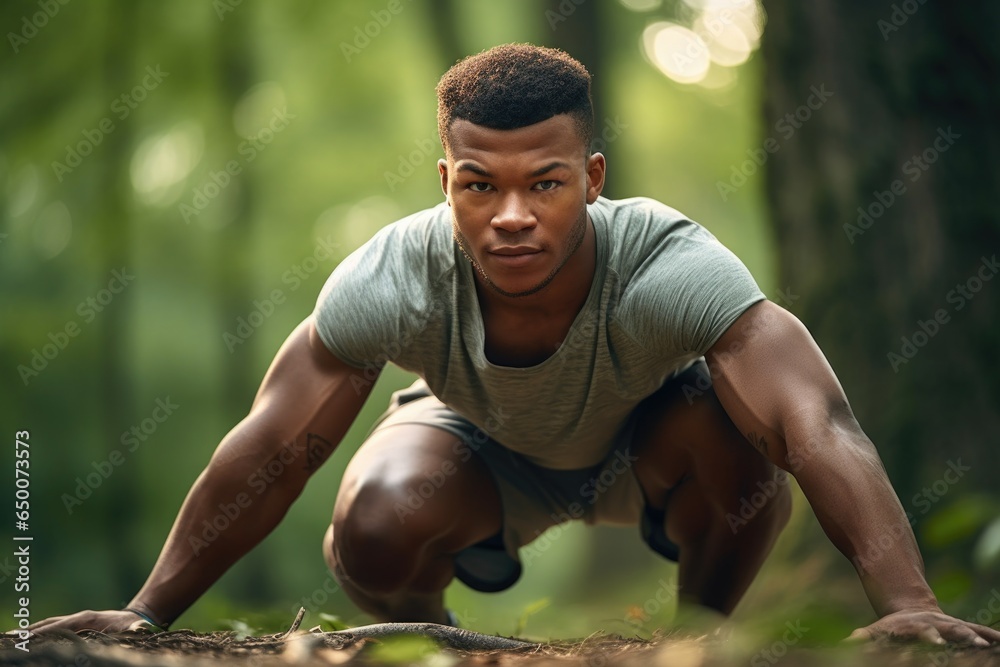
534,498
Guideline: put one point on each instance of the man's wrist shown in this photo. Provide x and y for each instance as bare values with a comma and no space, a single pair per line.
145,613
923,600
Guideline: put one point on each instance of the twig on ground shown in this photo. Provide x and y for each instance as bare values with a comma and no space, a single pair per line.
295,624
456,638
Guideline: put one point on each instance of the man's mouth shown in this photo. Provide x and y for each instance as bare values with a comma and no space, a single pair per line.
514,250
513,256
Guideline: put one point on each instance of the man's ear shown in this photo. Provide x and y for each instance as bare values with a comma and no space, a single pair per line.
596,167
443,171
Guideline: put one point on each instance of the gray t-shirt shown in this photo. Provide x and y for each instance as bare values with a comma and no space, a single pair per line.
664,291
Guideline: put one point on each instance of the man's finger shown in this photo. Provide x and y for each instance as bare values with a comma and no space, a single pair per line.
967,635
970,633
860,635
931,635
986,632
36,626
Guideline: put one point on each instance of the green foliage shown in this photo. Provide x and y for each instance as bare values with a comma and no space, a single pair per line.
332,623
241,629
951,585
529,610
404,650
960,520
987,552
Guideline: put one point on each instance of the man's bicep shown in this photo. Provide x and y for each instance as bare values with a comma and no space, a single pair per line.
306,403
774,382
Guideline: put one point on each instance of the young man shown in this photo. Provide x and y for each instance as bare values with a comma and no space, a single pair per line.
579,358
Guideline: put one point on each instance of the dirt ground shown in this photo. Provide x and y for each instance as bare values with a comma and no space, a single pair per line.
220,649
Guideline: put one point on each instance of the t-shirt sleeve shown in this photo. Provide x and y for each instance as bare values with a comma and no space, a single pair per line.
685,295
358,312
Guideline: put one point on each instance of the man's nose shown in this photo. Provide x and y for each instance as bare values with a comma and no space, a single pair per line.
514,215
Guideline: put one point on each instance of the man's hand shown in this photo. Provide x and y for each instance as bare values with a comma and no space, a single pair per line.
102,621
934,627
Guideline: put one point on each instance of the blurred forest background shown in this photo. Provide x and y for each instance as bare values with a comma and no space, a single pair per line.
178,179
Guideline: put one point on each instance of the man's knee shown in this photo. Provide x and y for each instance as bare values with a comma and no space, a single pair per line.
380,535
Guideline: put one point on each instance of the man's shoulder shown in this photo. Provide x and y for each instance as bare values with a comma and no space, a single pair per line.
680,287
641,229
640,207
645,220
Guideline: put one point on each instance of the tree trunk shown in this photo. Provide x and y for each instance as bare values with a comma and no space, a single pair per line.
581,30
884,202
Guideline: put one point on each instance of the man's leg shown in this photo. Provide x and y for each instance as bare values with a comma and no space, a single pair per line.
694,461
410,499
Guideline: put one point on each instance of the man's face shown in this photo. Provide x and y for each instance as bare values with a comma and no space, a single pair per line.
519,199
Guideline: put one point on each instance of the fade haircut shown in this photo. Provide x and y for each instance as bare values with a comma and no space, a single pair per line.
513,86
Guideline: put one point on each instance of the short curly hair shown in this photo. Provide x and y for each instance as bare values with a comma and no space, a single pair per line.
515,85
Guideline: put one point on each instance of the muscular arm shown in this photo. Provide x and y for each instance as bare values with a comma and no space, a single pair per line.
305,405
779,390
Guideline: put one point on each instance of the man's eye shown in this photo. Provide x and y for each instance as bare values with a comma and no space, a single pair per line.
546,185
480,187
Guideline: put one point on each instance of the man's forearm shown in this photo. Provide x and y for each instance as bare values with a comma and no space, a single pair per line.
845,482
232,506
